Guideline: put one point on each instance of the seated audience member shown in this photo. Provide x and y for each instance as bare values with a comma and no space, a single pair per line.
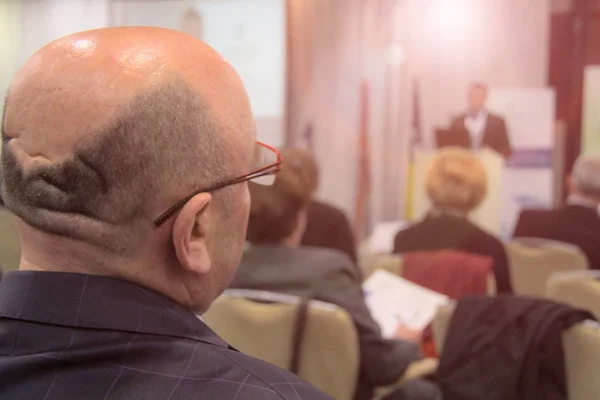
326,225
114,141
456,184
577,222
275,262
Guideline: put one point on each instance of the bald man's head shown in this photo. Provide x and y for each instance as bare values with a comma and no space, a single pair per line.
105,190
105,129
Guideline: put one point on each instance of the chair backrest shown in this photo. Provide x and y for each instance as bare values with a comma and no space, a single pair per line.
392,263
441,324
581,345
532,261
262,325
578,289
259,329
451,272
370,262
10,247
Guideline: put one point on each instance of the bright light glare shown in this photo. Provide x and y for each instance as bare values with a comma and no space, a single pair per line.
449,17
395,54
84,45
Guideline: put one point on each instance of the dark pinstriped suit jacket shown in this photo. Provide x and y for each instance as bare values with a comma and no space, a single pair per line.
70,336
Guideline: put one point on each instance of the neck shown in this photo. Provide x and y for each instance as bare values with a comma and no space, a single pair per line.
154,270
437,211
42,251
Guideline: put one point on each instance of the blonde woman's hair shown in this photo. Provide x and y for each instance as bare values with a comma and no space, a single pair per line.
456,180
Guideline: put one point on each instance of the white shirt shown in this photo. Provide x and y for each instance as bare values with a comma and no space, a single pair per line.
475,125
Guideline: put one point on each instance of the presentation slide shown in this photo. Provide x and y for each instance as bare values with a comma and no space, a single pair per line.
529,177
250,34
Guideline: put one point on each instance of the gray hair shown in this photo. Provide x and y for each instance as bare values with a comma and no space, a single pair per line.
106,193
586,175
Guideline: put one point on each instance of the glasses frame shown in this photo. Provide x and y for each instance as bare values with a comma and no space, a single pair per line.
270,169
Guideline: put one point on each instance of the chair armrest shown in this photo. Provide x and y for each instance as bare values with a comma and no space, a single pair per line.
415,370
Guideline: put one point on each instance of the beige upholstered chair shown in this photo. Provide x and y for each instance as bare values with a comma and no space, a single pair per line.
370,262
441,325
578,289
10,248
261,324
532,261
394,264
581,345
390,262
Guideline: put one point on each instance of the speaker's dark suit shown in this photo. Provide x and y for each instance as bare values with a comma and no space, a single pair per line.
575,224
328,276
495,135
71,336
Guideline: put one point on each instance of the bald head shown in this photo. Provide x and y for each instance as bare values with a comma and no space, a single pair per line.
73,87
103,128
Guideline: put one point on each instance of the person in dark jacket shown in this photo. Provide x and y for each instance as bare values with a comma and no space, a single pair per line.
326,225
578,221
478,128
275,262
506,347
125,156
456,184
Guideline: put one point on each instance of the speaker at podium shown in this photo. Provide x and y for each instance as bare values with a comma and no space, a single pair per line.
487,215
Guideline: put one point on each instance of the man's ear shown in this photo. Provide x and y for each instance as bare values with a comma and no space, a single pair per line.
190,232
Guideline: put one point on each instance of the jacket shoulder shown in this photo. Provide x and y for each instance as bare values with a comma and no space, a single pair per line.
495,118
277,383
538,214
321,257
458,119
325,208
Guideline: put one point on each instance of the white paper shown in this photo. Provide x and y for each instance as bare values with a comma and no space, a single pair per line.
384,233
394,301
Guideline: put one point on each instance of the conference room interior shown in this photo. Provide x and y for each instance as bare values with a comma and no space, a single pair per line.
433,230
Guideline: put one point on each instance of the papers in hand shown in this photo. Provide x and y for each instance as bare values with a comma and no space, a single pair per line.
394,301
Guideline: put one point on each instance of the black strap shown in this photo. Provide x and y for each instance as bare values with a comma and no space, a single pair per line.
298,335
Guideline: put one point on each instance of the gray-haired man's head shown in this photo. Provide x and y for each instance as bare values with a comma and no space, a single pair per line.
585,178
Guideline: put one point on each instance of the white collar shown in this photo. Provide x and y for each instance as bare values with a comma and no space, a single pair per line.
478,115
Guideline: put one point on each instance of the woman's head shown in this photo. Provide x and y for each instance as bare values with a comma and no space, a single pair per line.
277,212
456,180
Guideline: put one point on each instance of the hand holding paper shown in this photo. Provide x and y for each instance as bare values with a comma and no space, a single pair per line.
395,302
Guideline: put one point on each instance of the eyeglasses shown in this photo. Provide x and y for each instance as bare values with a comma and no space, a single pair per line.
267,162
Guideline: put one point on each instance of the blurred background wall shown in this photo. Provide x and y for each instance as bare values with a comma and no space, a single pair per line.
410,53
10,42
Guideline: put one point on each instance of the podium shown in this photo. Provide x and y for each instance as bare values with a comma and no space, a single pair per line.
487,215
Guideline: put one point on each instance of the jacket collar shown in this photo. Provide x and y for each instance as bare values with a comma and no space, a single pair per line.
96,302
